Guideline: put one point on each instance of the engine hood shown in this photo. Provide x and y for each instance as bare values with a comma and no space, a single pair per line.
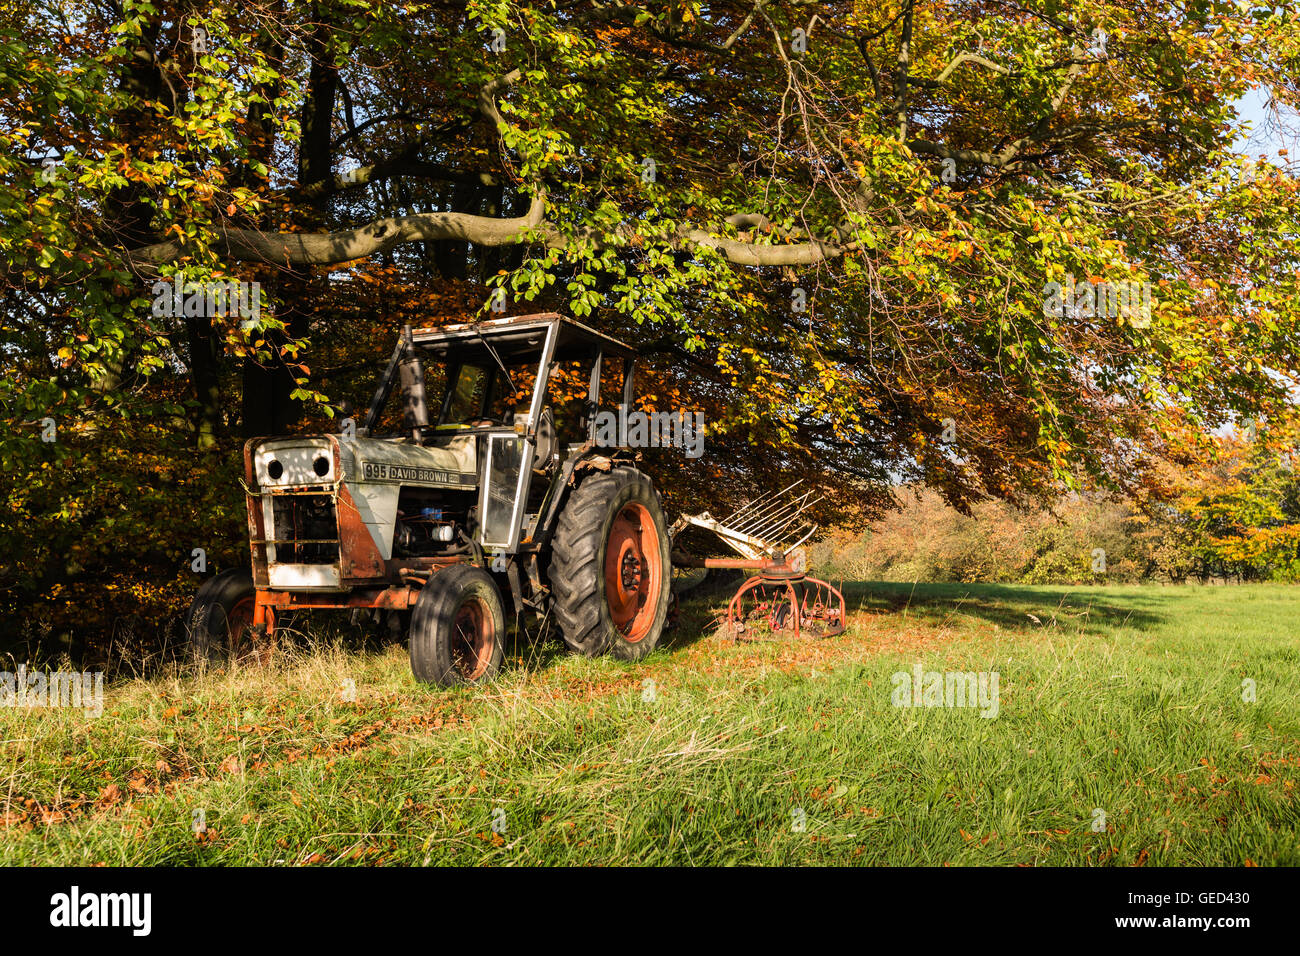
310,460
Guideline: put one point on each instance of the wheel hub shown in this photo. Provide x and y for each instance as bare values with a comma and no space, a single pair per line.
633,575
472,639
631,571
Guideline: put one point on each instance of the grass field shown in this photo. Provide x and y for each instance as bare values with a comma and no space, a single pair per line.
1127,701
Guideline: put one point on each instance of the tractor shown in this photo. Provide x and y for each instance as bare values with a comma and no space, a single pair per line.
475,473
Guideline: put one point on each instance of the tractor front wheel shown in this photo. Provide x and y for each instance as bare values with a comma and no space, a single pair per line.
458,628
220,621
610,572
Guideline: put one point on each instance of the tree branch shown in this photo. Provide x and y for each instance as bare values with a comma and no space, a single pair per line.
344,245
967,57
290,249
1038,133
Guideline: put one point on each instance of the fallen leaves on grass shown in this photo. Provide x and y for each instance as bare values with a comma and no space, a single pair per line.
232,765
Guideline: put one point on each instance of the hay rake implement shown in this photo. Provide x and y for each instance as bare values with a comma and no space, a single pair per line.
769,533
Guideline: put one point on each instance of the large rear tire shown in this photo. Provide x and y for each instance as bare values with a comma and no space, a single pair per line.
458,628
219,625
610,571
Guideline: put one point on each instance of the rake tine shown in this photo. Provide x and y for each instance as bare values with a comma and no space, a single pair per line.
811,531
772,511
753,502
747,509
794,518
791,509
779,536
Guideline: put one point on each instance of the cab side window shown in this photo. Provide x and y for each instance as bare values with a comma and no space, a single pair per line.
567,397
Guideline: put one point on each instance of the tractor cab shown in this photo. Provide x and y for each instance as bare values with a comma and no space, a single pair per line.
519,395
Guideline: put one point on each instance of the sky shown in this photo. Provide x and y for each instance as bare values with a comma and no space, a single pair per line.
1267,136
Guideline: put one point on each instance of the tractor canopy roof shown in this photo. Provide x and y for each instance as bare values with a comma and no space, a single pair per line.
519,339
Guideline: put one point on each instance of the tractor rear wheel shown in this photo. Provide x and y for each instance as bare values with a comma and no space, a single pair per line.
220,620
458,628
610,572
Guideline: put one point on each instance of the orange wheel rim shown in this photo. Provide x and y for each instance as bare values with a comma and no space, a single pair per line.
473,639
633,572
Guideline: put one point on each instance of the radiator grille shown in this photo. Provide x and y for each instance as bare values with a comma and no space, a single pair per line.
306,529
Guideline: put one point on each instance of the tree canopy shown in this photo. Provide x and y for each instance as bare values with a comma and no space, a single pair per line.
839,229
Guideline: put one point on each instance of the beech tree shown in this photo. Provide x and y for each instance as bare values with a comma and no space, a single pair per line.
836,227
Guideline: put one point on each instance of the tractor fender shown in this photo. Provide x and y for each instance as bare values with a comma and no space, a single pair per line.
587,460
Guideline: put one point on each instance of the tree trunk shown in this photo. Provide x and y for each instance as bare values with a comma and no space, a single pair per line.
452,256
204,372
267,406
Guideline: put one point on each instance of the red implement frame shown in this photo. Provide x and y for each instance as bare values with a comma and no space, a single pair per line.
769,532
787,598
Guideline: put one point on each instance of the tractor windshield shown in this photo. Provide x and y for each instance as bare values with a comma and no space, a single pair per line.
483,394
466,395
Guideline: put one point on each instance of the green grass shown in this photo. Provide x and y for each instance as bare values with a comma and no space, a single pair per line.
1124,699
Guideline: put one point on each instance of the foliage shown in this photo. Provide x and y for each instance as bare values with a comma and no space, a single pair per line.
928,540
1237,518
106,525
1241,513
915,178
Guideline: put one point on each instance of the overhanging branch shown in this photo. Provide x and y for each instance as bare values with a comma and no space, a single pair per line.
344,245
297,249
290,249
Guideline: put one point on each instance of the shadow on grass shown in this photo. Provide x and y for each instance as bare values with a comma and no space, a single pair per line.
700,610
1010,606
535,647
1013,607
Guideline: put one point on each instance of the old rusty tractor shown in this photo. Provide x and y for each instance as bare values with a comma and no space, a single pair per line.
474,473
